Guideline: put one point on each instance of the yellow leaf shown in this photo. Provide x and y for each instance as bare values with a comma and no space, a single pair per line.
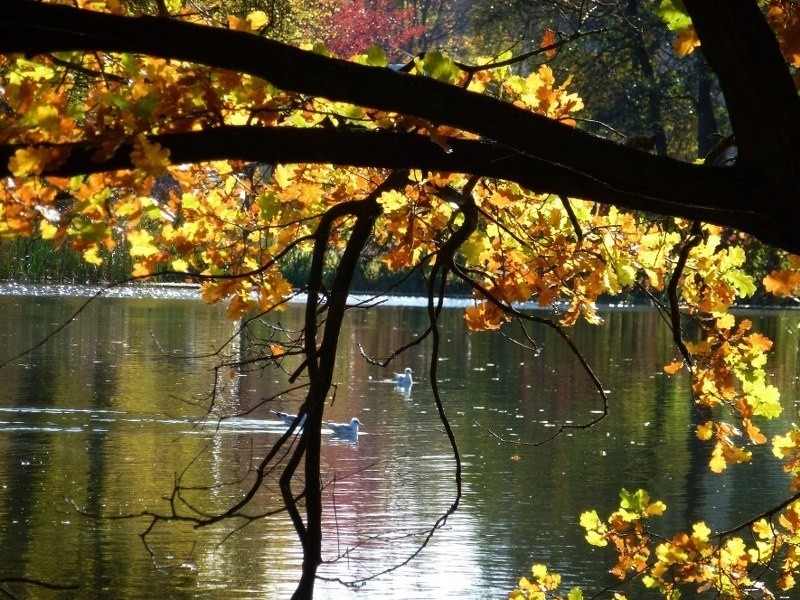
726,321
595,538
705,431
92,256
763,529
590,519
47,230
701,532
539,571
784,445
141,244
786,581
257,19
180,264
28,161
655,509
189,202
718,463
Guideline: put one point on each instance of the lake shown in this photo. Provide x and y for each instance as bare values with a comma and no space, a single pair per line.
104,418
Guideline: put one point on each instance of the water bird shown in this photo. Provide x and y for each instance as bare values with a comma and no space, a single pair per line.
403,380
290,419
346,429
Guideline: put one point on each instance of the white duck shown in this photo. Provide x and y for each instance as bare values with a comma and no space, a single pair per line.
403,380
346,429
290,419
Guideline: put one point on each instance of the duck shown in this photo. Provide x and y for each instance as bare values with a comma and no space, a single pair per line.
346,429
290,419
403,380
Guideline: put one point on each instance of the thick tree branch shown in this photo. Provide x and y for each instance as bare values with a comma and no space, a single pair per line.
558,159
667,187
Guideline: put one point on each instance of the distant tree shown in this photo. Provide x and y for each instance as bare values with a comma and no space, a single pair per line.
358,24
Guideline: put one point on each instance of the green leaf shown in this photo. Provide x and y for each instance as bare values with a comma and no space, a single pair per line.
320,48
376,57
673,13
636,502
88,231
438,66
120,101
145,107
742,282
129,63
575,594
269,204
30,70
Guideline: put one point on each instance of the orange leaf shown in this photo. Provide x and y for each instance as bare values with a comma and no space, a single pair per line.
686,42
754,433
782,283
149,157
673,367
759,342
547,43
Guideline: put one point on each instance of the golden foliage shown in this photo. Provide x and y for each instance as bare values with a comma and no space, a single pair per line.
231,224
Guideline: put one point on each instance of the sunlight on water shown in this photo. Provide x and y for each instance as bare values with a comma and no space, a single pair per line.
110,415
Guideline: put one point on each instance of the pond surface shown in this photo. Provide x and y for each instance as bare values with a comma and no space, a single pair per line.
105,417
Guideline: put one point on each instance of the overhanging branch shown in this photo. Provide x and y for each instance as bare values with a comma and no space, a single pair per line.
542,154
669,187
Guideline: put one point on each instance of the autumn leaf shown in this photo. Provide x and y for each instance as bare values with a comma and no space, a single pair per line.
238,306
674,14
548,40
673,367
141,243
782,283
705,430
29,161
595,529
718,463
180,265
686,41
257,19
92,255
484,316
149,157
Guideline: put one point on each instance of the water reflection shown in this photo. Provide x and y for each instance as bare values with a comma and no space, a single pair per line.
111,414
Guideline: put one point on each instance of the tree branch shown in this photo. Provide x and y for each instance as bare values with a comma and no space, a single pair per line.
623,173
667,187
559,159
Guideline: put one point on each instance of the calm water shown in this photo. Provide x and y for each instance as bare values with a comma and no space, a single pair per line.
104,417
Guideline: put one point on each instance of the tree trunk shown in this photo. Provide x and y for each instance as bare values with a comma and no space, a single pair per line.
707,128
